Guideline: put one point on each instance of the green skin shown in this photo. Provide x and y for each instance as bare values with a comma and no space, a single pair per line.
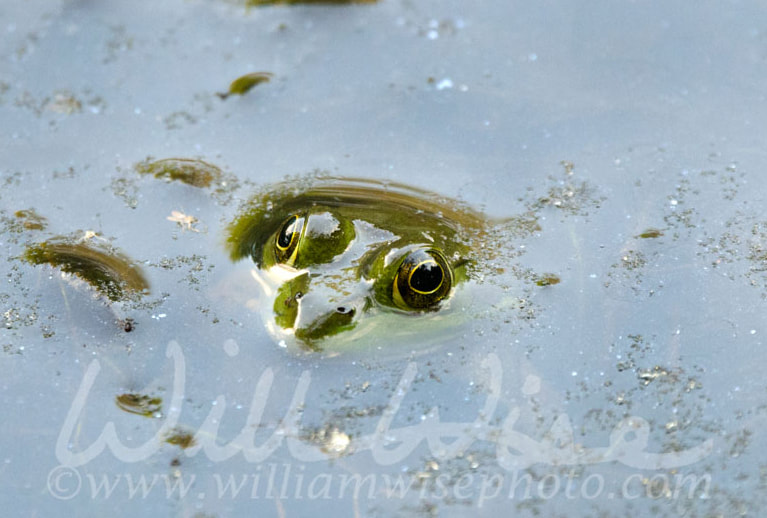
345,262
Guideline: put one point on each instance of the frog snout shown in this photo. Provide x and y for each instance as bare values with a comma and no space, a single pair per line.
314,325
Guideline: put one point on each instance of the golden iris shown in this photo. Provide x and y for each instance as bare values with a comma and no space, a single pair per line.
424,278
286,247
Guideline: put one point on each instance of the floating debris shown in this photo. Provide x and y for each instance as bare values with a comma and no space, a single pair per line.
128,324
336,443
196,173
30,220
65,102
185,221
547,279
243,84
331,440
632,260
139,404
111,273
647,376
180,438
650,233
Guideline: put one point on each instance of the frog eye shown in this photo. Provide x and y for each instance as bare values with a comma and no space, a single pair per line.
423,279
286,245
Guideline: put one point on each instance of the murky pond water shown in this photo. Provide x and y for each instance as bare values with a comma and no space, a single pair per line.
600,355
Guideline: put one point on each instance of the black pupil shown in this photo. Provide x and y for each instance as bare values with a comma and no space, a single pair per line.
288,229
427,277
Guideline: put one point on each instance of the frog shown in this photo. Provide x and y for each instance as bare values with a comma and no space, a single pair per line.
333,264
337,257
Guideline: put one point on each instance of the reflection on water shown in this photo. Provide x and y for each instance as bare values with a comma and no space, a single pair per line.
103,267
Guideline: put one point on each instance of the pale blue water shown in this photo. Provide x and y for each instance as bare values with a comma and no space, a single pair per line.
612,393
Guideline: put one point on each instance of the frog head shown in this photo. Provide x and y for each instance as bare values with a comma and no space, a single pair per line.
337,255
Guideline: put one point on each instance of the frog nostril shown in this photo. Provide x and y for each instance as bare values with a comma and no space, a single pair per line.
345,311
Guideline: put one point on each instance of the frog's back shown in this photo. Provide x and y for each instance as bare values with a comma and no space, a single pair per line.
406,210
